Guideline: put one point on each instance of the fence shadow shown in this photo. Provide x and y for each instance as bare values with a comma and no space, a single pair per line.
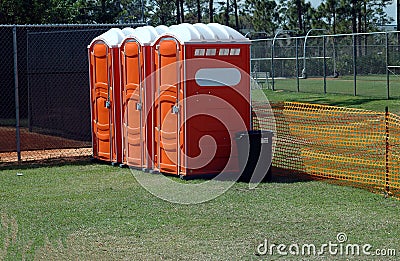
55,162
280,175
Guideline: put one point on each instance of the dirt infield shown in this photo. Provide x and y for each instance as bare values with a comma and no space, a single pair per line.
36,146
35,141
8,158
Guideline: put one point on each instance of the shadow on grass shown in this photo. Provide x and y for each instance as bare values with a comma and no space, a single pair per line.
342,102
74,161
353,102
278,175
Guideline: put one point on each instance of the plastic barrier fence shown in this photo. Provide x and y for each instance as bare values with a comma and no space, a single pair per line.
353,145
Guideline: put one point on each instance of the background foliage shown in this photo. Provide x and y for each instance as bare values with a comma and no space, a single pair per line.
342,16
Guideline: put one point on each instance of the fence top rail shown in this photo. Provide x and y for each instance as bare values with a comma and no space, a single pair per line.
68,25
323,35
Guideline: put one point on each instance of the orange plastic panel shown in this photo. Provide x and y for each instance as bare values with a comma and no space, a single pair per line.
132,127
101,114
167,120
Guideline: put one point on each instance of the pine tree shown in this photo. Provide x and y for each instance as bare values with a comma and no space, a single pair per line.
264,15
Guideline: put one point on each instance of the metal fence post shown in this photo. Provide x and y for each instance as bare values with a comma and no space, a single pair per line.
273,54
272,64
28,83
266,66
355,64
324,54
335,72
297,65
17,123
387,65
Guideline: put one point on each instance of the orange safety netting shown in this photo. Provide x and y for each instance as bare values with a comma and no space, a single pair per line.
353,145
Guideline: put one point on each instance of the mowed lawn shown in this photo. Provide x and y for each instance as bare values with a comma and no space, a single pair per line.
88,211
367,86
340,100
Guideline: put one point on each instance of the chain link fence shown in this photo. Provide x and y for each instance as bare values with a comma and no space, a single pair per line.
353,64
45,105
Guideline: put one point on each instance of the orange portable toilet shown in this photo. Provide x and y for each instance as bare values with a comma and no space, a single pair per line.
201,98
105,95
136,84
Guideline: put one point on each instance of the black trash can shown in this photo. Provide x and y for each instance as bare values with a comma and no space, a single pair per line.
255,155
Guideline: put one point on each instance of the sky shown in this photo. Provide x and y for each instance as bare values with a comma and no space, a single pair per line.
390,9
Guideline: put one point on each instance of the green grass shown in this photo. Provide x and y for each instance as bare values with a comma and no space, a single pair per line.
91,211
362,102
369,88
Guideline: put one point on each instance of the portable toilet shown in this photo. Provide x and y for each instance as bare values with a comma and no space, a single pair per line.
105,95
201,98
161,29
136,85
127,31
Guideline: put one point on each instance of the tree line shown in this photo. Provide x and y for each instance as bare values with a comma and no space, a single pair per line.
336,16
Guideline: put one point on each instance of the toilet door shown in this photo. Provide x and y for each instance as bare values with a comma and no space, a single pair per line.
132,104
101,101
166,107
